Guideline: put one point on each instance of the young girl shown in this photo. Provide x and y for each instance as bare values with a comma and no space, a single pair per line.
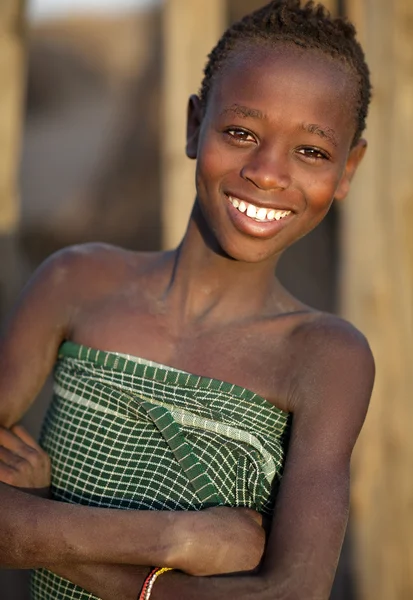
252,372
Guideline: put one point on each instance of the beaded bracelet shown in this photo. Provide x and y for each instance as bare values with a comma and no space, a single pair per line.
148,584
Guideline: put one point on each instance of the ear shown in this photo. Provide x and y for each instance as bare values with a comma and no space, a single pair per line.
193,126
354,159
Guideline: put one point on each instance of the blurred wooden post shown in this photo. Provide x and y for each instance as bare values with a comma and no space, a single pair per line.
191,29
12,77
11,92
331,5
377,296
11,101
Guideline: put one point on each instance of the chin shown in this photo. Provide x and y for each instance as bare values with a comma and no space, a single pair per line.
241,253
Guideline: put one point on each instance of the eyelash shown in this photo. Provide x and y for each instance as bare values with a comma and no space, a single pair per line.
312,152
234,131
309,152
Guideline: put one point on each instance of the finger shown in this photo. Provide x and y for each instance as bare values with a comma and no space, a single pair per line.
19,472
33,453
12,442
10,459
6,469
7,473
26,438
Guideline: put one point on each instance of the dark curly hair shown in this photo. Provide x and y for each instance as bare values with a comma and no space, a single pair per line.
309,26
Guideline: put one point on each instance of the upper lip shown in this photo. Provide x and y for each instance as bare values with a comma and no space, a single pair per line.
259,204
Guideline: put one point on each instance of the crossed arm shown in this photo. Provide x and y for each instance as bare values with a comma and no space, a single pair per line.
83,544
108,552
302,549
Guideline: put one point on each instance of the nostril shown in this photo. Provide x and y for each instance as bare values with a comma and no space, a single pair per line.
265,178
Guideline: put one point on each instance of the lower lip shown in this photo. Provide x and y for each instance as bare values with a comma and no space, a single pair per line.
253,228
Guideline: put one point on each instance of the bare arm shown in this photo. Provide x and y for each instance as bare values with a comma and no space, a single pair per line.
311,513
336,379
329,401
31,337
35,532
122,582
44,533
44,316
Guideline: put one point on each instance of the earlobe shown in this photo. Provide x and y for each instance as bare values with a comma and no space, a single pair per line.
194,121
354,159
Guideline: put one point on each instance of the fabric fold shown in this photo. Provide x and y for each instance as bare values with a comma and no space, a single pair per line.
127,433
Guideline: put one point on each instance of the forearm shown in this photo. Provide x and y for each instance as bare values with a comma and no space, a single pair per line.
306,540
178,586
107,582
300,560
42,533
124,583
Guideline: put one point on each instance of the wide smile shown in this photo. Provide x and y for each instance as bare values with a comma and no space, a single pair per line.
257,213
257,221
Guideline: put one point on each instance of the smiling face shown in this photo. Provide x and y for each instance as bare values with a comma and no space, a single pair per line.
273,148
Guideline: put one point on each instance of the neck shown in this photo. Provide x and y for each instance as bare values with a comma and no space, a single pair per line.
205,284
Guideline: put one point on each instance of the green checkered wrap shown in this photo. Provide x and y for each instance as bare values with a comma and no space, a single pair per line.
126,433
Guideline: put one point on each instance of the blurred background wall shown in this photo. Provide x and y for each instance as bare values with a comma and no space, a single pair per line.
102,95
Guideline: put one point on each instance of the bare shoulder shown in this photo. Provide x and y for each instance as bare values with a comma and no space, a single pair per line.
45,314
323,333
85,269
64,281
75,261
335,373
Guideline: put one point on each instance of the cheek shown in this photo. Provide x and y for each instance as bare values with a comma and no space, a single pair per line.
210,167
214,161
321,190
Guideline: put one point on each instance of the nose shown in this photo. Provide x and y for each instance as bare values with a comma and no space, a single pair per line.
267,169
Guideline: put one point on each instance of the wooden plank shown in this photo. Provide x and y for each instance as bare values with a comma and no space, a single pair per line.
11,100
191,29
377,294
331,5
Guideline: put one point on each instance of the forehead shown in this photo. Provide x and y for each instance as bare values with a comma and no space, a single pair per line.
288,80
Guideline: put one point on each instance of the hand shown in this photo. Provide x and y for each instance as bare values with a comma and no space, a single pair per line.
23,463
222,540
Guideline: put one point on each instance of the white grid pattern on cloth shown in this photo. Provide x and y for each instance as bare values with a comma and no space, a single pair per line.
97,422
147,363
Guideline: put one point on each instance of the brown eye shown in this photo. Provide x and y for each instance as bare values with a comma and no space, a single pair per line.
240,135
313,153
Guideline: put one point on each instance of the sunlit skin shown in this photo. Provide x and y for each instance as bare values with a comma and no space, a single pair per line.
255,142
277,132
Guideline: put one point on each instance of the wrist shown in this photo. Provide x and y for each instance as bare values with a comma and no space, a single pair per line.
128,537
177,538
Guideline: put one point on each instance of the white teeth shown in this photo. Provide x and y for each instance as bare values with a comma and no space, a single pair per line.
251,211
259,214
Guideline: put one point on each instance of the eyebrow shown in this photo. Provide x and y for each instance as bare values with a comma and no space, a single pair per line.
324,132
244,112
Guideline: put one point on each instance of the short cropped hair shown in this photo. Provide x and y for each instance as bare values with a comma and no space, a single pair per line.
309,26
